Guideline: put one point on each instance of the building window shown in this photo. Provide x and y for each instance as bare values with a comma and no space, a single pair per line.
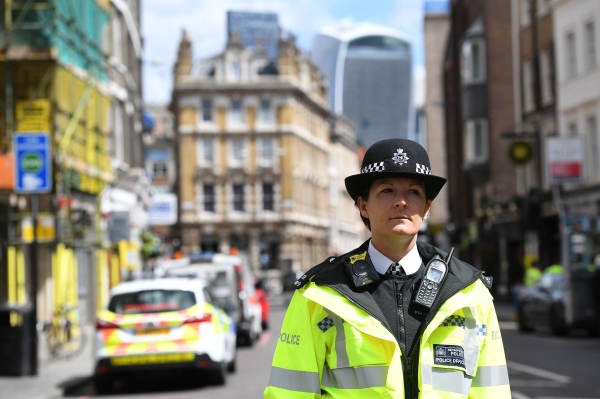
208,147
546,78
525,13
208,191
572,129
590,36
237,152
476,141
238,197
267,151
571,56
528,104
159,169
265,113
543,7
268,197
592,127
473,61
235,114
236,71
207,111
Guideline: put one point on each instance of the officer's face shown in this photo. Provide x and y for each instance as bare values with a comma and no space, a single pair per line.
396,207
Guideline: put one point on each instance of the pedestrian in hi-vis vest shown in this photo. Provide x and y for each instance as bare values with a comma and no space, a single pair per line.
394,318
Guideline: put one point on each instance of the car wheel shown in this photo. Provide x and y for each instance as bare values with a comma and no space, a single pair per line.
103,385
265,325
523,325
219,376
232,365
557,321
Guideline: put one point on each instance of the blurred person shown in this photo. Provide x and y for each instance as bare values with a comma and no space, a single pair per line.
533,274
555,268
354,327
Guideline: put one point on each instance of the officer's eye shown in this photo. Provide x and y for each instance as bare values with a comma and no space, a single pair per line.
414,191
386,190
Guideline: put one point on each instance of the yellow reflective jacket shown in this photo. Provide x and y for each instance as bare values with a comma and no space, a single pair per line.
332,343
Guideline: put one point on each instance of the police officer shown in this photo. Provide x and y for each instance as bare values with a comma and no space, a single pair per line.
357,326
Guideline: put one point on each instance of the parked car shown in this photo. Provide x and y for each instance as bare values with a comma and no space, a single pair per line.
543,306
265,305
166,323
232,285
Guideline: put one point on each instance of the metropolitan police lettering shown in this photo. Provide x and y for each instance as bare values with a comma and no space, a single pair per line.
289,339
449,355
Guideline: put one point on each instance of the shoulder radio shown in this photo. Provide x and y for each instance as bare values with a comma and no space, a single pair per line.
435,273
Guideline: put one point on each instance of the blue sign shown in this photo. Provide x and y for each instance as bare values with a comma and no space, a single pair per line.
33,163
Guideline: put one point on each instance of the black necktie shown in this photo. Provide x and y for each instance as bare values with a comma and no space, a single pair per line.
395,270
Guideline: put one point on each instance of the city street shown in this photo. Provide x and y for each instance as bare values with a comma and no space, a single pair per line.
541,366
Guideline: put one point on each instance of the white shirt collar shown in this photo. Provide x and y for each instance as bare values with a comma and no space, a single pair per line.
410,263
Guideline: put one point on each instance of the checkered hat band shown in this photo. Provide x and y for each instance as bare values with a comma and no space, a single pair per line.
454,321
423,169
325,324
374,167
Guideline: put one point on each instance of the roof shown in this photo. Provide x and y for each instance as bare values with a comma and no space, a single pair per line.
348,30
187,284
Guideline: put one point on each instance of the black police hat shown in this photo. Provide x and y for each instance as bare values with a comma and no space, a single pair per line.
392,158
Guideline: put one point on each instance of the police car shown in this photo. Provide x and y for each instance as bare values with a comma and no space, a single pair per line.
168,323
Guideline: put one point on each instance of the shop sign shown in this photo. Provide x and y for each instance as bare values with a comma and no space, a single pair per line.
118,226
163,210
520,152
33,116
564,159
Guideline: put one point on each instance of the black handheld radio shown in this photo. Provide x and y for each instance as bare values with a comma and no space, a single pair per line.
435,273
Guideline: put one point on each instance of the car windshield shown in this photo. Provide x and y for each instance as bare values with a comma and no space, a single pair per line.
152,301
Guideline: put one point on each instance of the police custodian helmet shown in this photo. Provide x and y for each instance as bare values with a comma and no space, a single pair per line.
395,158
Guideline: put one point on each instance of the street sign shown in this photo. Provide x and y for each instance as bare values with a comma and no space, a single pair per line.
564,159
33,163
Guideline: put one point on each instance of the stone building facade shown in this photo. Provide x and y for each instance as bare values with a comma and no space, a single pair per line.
253,148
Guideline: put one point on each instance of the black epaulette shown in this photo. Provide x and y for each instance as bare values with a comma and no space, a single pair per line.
316,269
487,281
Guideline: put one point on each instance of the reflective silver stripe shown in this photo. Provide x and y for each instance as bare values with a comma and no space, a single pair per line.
355,377
294,380
426,373
471,346
450,381
491,376
340,340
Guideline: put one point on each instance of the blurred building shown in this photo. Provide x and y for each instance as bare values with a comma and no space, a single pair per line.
254,151
161,166
576,28
436,27
479,99
256,29
535,121
369,68
347,230
71,69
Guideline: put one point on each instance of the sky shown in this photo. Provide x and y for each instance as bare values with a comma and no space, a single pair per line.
163,22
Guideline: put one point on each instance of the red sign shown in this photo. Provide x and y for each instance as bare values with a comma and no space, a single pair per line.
565,169
7,171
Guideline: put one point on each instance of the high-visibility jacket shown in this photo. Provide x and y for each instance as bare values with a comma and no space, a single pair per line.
333,343
532,276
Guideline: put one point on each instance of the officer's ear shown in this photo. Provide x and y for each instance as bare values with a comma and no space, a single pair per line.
362,207
427,208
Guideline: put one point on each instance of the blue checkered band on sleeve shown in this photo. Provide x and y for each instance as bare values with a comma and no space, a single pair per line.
481,329
325,324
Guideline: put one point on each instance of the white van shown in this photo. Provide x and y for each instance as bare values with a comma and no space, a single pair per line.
232,285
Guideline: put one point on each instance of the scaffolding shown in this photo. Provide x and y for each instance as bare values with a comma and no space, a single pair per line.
54,74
